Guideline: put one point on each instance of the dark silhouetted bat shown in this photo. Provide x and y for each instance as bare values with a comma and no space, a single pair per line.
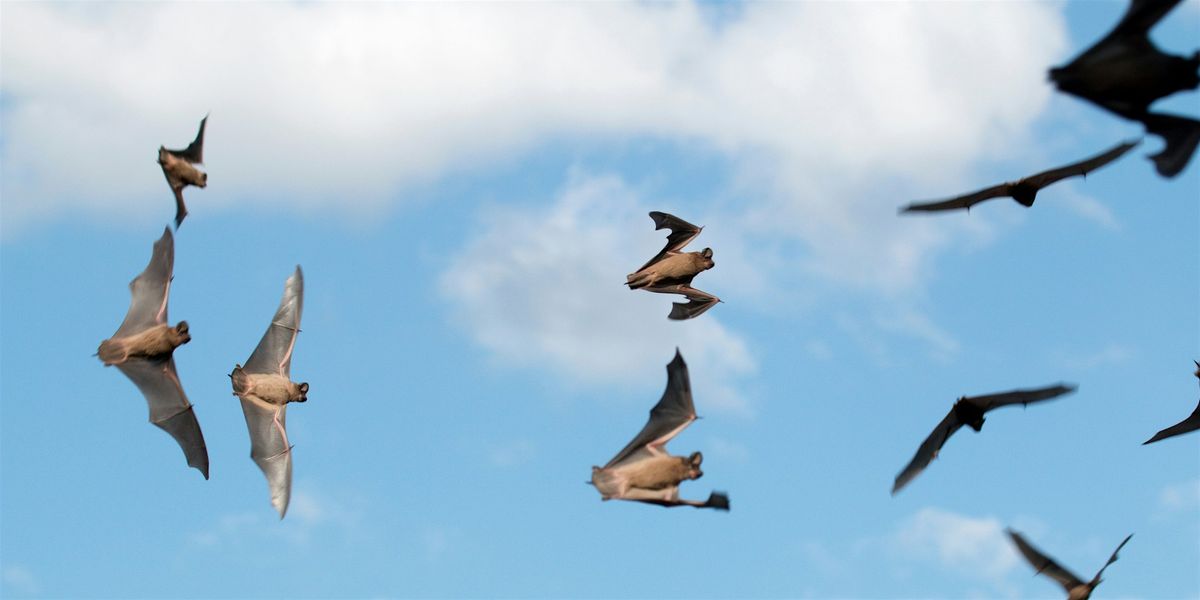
1025,190
1125,73
177,167
1077,589
1192,423
265,388
970,411
143,348
672,271
643,470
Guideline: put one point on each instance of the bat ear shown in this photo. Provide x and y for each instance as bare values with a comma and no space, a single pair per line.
706,253
304,388
182,327
695,459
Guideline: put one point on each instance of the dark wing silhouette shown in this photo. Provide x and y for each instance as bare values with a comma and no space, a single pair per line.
169,406
1082,167
928,450
1192,423
717,500
194,153
150,289
682,232
1046,565
990,401
269,448
180,207
697,303
273,355
1180,134
673,413
965,201
1112,559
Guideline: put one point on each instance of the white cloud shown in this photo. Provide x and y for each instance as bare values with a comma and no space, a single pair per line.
309,514
512,453
1181,496
1088,207
974,547
19,579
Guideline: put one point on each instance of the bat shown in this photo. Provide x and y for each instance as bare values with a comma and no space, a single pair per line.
143,348
1191,423
671,271
265,388
970,411
1124,73
643,471
178,169
1076,588
1025,190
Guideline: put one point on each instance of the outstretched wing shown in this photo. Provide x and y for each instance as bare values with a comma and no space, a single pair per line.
1192,423
273,355
149,290
990,401
180,207
270,449
928,450
697,303
1133,28
682,232
1082,167
672,414
169,406
194,153
1181,136
965,201
1046,565
1112,559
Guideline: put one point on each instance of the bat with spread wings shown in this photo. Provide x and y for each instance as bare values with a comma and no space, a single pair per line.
643,471
1076,588
143,349
671,271
265,388
1124,73
969,411
1024,190
1192,423
178,167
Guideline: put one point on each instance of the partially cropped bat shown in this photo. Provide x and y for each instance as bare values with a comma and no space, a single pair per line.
1025,190
1125,73
1077,589
143,348
265,388
643,471
1192,423
969,411
671,271
177,166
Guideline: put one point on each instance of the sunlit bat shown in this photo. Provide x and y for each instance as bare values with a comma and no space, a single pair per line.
1077,589
671,271
1192,423
177,166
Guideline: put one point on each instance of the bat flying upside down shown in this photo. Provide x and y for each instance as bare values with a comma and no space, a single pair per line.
671,271
1077,589
178,169
1191,423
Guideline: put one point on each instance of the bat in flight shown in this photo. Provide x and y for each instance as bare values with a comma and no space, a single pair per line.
1077,589
643,471
1192,423
1124,73
671,271
178,167
143,349
1024,190
265,388
969,411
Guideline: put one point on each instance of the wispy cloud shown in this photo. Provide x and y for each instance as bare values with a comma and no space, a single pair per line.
1087,207
19,579
1110,354
310,514
1183,496
975,547
512,453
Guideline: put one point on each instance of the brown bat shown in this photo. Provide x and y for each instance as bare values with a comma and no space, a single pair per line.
143,349
1125,73
265,388
177,166
970,411
1077,589
1191,423
672,271
1025,190
643,471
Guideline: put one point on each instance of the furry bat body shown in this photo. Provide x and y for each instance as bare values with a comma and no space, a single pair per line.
1191,423
969,411
265,388
1024,190
143,349
643,471
1076,588
177,166
671,271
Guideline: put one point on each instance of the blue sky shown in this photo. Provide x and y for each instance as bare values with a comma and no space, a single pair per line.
466,186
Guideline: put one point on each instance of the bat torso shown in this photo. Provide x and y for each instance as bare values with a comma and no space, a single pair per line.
654,473
672,269
266,387
969,414
180,172
155,342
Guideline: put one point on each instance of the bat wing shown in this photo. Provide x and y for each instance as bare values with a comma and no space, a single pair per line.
180,207
697,303
1023,397
169,406
928,450
150,289
270,449
194,153
682,232
1181,136
1082,167
1192,423
1135,25
1112,559
965,201
273,354
673,413
1046,565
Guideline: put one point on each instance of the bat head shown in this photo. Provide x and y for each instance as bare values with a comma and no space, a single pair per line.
693,463
301,393
181,333
706,254
203,180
